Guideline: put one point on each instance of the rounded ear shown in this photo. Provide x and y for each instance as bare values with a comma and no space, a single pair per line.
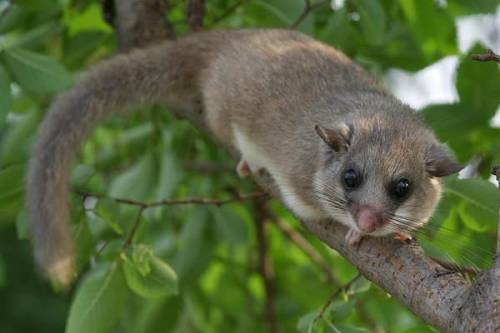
439,162
338,137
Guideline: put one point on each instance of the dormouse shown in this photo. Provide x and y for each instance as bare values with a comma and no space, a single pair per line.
338,145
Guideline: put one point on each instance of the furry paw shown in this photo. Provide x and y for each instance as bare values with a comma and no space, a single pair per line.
243,169
353,237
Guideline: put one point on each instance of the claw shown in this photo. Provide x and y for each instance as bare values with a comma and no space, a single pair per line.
243,169
353,237
401,236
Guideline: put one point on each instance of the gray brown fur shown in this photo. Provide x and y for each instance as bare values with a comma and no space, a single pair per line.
273,85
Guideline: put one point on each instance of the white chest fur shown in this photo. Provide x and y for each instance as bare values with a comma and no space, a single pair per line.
257,158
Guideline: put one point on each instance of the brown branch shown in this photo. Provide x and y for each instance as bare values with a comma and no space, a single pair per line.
332,297
195,14
488,56
239,197
133,231
306,247
448,302
265,266
308,8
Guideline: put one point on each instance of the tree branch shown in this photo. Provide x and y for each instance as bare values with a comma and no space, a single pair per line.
308,8
265,265
195,14
488,56
332,297
186,201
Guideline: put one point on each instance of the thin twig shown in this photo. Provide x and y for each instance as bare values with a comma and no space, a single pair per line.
132,232
186,201
306,247
308,8
265,265
488,56
228,11
332,297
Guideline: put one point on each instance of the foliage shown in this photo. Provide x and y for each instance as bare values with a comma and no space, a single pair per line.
194,268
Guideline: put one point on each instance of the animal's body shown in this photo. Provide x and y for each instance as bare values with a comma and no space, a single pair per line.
335,141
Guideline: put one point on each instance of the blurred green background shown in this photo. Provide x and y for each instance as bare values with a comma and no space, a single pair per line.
195,268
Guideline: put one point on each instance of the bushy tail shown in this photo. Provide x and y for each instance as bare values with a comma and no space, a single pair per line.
125,81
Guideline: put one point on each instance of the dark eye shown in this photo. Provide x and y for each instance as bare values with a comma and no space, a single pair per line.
351,178
401,188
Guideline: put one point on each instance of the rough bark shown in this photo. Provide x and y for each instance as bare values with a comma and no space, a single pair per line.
444,300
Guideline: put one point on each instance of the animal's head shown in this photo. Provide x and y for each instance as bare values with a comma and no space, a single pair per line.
380,174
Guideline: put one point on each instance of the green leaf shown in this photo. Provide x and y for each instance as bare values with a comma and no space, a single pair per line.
36,4
12,19
5,96
170,175
478,202
468,7
339,310
421,329
306,322
11,180
35,72
109,210
229,225
147,275
373,20
80,47
14,146
80,175
34,37
138,182
85,242
22,225
99,301
339,31
141,258
478,85
3,275
344,328
90,18
195,246
432,27
456,116
359,286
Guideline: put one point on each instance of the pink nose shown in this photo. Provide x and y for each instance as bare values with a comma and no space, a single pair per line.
368,219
